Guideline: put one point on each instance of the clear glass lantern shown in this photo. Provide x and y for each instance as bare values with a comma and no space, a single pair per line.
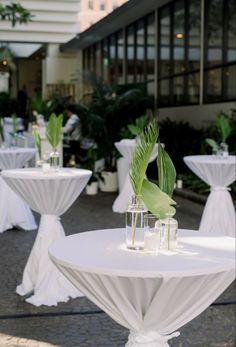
135,224
170,233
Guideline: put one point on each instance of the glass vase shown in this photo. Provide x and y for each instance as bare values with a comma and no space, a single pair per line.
224,150
170,233
54,160
135,224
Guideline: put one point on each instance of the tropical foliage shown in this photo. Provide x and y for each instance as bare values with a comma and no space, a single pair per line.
15,13
37,140
54,130
157,201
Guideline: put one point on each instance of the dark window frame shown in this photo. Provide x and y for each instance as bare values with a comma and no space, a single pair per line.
187,72
224,65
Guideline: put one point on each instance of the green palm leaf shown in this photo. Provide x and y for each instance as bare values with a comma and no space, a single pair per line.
54,128
142,156
213,144
37,140
166,171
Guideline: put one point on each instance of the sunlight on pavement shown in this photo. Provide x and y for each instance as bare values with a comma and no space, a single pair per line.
15,341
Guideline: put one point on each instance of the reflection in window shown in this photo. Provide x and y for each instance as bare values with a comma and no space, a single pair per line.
113,63
178,90
151,53
179,52
215,31
140,49
193,88
120,56
164,92
194,35
105,60
164,42
214,85
231,37
130,55
230,74
179,37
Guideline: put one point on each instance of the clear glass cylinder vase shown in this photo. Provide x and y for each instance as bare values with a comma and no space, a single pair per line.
170,233
135,224
54,160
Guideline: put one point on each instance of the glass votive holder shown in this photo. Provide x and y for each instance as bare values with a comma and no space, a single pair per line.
170,233
152,233
46,168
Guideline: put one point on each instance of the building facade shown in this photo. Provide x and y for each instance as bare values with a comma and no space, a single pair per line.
183,51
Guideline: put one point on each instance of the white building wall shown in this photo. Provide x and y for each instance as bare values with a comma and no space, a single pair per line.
54,21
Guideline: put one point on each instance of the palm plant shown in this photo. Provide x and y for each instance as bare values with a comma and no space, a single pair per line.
156,198
54,130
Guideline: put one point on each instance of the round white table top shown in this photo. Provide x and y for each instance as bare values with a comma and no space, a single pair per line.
210,159
38,174
11,158
47,193
104,252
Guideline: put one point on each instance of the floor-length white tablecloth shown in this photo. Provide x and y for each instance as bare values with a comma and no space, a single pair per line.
151,295
13,210
50,195
126,148
219,213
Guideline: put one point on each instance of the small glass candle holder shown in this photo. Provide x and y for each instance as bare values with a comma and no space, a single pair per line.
46,167
152,233
170,233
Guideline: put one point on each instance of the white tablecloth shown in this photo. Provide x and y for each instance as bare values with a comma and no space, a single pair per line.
126,147
13,210
151,295
219,213
50,195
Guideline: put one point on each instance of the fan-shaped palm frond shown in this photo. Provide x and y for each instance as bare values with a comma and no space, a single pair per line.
142,156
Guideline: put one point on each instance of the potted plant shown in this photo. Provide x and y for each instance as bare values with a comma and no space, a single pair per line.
224,130
110,110
89,162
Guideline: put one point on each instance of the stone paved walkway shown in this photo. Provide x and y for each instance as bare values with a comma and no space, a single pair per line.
79,323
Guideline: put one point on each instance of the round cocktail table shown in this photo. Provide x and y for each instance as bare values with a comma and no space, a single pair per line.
151,295
50,195
13,210
219,213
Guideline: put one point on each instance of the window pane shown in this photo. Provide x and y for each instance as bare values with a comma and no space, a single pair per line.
98,61
231,82
130,54
113,64
150,47
214,86
215,31
164,39
105,60
194,31
231,53
164,92
178,90
120,56
140,52
193,88
179,37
